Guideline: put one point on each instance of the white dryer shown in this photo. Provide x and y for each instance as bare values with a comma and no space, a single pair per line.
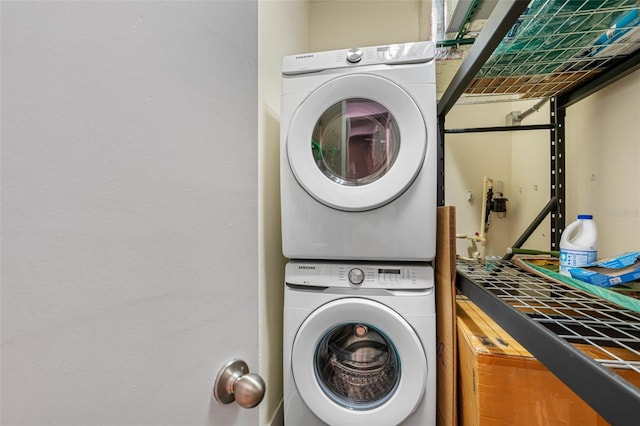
359,344
358,154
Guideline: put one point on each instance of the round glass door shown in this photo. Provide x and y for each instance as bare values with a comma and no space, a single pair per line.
357,361
357,366
357,142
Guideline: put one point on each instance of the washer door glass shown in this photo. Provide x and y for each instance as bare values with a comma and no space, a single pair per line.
357,366
357,361
355,141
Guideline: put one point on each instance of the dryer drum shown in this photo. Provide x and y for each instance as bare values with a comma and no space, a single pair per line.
362,369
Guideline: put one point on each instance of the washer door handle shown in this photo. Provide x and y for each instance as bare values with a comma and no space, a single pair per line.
234,383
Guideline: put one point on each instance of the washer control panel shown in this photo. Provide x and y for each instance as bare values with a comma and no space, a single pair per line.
369,275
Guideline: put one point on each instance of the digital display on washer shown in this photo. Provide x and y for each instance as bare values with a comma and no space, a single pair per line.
389,271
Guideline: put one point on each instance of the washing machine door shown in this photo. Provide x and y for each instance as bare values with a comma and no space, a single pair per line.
356,361
357,142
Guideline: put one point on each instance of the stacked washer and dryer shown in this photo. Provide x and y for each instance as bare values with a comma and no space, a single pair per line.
358,194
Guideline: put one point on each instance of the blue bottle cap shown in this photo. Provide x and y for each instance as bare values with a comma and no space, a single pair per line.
585,216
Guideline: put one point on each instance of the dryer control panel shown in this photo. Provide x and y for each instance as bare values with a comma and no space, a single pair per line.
392,54
363,275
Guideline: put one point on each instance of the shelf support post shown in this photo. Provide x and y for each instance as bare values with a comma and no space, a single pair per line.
440,159
557,180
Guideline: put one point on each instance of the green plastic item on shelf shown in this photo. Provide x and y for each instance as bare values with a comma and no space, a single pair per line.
612,294
516,250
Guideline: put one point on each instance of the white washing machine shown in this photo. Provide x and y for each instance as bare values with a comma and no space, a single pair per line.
359,344
358,154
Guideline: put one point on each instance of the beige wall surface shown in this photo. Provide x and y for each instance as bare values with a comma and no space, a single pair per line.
282,30
338,24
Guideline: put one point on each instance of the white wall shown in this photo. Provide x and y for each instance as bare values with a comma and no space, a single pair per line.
129,210
602,174
282,30
529,189
469,157
603,164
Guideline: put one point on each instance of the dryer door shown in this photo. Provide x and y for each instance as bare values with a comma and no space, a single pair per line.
357,142
356,361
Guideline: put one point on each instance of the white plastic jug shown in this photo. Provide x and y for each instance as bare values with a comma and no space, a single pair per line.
578,244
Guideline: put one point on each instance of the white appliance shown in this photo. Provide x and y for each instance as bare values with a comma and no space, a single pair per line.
358,154
359,344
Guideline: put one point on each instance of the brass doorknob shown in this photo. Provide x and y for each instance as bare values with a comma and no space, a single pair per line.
235,383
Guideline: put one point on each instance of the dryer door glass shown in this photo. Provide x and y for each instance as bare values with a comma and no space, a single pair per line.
357,366
343,143
355,141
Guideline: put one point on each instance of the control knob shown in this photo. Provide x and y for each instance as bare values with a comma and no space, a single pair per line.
356,276
354,55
